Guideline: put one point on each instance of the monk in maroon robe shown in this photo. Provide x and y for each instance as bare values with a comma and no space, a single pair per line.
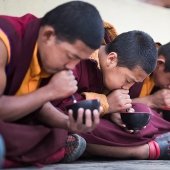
108,75
155,90
37,56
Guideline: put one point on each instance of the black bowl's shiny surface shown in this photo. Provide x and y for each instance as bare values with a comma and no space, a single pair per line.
136,120
85,104
166,114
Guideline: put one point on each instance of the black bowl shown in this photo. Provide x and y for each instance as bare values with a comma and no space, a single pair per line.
166,114
85,104
135,120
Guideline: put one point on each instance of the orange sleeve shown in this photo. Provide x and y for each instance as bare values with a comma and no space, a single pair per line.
103,100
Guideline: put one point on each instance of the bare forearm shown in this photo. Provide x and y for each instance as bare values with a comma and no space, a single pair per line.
147,100
15,107
51,116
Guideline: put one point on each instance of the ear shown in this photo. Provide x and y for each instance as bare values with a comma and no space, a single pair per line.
112,59
48,35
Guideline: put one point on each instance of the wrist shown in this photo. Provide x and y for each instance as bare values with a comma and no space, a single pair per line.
48,92
150,102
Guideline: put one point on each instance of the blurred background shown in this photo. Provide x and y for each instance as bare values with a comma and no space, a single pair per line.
151,16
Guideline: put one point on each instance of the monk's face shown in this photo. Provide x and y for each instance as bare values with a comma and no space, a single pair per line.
122,77
160,77
56,55
115,77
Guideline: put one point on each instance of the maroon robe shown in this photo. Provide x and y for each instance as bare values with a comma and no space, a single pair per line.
89,79
25,141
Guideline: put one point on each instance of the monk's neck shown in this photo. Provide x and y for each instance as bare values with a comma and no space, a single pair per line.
101,55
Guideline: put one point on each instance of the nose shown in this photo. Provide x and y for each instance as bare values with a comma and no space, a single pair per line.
127,86
71,65
168,86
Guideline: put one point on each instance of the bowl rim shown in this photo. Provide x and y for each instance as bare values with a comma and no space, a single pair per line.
136,113
83,101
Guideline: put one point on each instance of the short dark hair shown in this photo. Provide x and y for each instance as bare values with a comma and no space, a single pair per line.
76,20
134,48
165,51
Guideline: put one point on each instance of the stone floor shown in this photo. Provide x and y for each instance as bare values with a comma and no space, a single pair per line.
108,164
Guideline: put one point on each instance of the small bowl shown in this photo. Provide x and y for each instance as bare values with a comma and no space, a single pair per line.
166,114
135,120
85,104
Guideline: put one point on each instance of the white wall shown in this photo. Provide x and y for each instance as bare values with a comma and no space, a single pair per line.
125,15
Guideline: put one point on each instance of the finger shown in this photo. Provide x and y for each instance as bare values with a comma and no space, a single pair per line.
95,121
128,101
75,82
127,106
144,127
124,91
80,116
135,131
100,109
127,130
71,77
121,124
70,72
131,110
96,118
71,118
88,119
126,96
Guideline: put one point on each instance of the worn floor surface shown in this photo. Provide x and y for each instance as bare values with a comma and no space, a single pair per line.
106,164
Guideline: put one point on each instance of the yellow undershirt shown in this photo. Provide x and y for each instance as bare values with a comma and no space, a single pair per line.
147,87
102,97
34,74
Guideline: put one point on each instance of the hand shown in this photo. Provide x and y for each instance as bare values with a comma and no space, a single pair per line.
78,126
161,99
62,85
116,118
119,100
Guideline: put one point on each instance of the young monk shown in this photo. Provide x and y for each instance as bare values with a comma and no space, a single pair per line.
108,75
155,90
37,56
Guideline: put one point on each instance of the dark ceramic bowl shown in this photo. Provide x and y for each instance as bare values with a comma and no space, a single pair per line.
166,114
135,120
85,104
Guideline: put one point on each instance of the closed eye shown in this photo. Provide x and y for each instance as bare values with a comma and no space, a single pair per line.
69,57
127,81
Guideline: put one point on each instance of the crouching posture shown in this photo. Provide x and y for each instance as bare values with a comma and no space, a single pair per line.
37,56
108,74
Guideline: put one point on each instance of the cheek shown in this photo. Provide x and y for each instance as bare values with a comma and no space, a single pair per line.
115,82
161,82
